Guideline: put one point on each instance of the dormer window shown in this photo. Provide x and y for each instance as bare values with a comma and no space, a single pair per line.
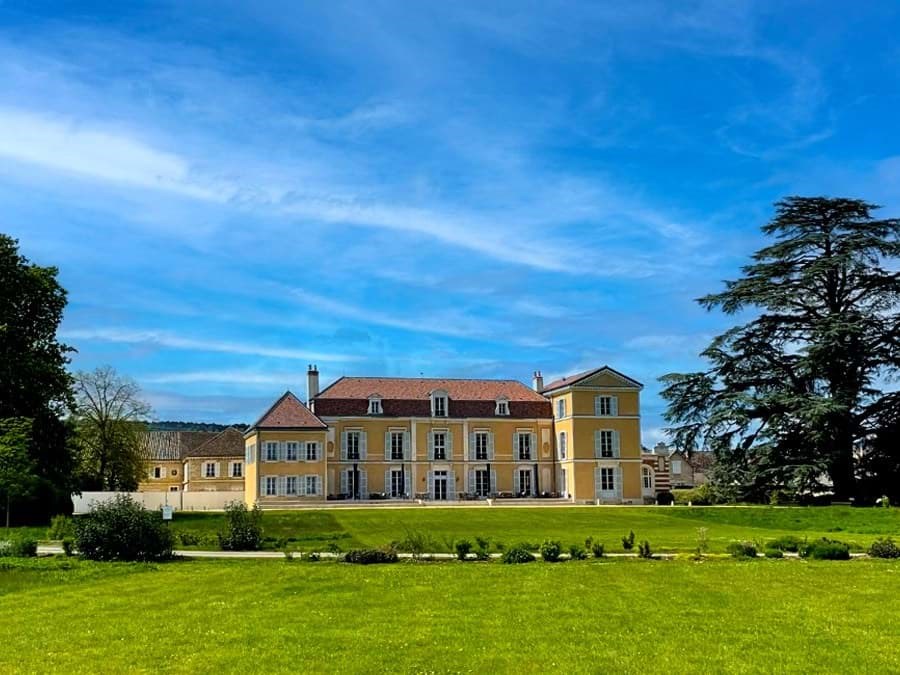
502,406
375,405
439,404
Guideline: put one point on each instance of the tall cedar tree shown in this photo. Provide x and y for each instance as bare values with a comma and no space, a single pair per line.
796,392
34,383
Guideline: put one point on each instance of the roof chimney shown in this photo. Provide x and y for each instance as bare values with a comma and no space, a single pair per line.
312,384
538,381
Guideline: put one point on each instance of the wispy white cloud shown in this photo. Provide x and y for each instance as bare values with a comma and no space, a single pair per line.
237,377
172,341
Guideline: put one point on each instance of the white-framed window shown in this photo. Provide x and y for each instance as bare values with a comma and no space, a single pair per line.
647,477
292,451
398,483
237,470
439,439
353,444
676,466
158,472
561,408
290,485
502,407
523,443
375,406
563,447
271,451
271,486
481,445
209,469
607,479
312,485
397,443
523,482
605,406
482,483
439,404
312,451
605,443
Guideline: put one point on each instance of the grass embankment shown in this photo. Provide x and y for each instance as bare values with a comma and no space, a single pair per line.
630,616
668,529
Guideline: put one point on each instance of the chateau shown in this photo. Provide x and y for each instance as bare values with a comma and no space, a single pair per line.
370,438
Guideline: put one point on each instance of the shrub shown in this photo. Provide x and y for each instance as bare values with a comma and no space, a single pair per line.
788,543
370,556
19,547
782,498
515,555
313,557
699,496
122,529
665,498
68,547
482,548
774,553
597,549
333,547
188,539
884,548
825,549
644,550
577,552
742,549
702,541
628,541
589,543
463,548
416,543
243,528
550,551
61,527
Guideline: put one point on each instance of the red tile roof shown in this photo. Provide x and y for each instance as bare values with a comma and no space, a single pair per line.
288,412
172,445
227,443
569,380
411,397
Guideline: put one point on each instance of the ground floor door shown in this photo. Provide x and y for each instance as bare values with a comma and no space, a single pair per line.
440,485
525,482
562,487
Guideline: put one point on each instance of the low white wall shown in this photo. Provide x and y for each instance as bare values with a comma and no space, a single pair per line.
181,501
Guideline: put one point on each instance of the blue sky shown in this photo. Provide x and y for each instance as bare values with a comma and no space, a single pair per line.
234,190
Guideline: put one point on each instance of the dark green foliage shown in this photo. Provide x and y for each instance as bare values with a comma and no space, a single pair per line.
628,541
188,539
884,548
665,498
243,528
577,552
788,394
551,550
741,549
313,557
786,543
19,547
34,383
463,548
68,547
644,550
825,549
774,553
122,529
370,556
61,527
597,549
416,542
702,495
515,555
482,548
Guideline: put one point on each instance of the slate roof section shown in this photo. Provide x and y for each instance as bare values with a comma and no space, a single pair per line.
288,412
228,443
172,445
569,380
411,397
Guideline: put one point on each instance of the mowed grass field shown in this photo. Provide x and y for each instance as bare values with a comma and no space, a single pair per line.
631,616
668,529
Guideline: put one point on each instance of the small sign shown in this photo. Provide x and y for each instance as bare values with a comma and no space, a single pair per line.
167,512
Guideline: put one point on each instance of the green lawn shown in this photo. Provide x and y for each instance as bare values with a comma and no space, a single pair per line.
631,616
666,528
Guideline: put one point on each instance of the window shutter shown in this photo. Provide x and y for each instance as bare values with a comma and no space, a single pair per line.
217,473
597,482
490,444
343,452
317,485
448,440
472,445
344,482
431,484
598,407
619,481
614,406
598,443
406,451
363,436
387,446
451,485
515,442
492,488
363,485
615,443
387,482
430,446
301,486
470,484
534,447
262,486
282,451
